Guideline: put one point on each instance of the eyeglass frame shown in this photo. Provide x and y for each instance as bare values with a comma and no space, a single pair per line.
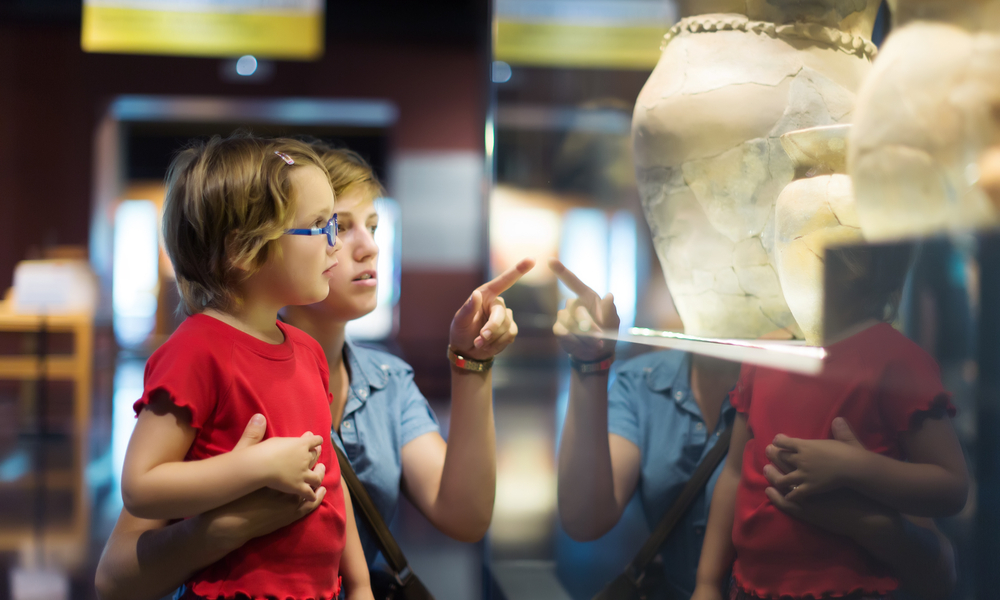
330,230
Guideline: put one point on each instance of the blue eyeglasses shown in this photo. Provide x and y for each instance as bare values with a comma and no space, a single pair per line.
330,230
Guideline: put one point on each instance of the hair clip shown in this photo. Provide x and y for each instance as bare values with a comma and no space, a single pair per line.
285,157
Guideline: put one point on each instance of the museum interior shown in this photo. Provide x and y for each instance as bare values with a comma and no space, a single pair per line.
788,201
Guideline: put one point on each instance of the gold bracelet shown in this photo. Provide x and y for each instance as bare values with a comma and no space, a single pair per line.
469,364
593,366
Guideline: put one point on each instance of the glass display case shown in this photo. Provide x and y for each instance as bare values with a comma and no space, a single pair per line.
748,192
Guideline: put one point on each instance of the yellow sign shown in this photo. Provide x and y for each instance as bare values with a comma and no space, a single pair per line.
285,30
576,45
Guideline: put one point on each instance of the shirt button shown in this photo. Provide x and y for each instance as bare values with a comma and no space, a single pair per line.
347,425
699,426
363,393
384,367
699,531
678,395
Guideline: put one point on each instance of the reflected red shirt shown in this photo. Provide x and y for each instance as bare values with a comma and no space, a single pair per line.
877,380
224,376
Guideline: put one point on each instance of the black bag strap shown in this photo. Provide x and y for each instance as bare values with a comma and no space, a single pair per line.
636,569
376,525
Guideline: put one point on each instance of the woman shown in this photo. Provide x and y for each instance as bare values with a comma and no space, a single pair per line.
647,433
381,421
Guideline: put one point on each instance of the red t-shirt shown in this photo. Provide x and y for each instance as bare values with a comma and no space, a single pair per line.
224,376
877,380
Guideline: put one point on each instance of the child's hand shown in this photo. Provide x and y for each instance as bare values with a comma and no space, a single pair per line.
288,462
813,466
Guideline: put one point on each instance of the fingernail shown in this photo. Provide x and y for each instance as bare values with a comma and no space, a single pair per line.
257,419
487,334
478,343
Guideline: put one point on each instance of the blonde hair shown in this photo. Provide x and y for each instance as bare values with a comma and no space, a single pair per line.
348,171
228,200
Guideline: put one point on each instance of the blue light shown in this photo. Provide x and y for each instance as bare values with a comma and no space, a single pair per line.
501,72
246,65
135,271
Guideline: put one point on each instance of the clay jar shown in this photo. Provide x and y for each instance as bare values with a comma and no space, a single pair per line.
924,118
812,213
709,163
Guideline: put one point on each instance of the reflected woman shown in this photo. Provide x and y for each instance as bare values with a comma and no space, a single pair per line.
646,434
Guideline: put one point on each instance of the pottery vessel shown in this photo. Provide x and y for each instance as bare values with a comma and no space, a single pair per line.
924,118
813,212
709,163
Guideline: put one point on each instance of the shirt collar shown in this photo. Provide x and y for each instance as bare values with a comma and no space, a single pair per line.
670,374
366,371
674,377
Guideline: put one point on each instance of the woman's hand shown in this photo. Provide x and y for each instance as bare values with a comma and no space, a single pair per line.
587,317
484,326
288,464
264,511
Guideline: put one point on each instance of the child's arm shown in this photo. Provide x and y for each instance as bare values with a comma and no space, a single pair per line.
157,484
353,566
717,551
934,483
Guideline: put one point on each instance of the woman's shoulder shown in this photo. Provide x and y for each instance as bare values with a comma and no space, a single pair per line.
376,359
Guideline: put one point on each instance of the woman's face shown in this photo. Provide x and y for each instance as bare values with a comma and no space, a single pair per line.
354,282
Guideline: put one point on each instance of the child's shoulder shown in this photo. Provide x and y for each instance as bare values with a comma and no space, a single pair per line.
196,335
887,345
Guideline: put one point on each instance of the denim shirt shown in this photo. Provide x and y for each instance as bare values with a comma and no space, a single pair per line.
650,404
384,412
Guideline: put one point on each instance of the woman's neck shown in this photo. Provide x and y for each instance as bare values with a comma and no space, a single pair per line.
330,333
710,380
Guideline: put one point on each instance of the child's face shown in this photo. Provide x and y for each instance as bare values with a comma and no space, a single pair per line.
354,283
301,273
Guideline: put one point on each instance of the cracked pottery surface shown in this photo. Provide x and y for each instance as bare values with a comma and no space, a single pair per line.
924,118
709,163
812,213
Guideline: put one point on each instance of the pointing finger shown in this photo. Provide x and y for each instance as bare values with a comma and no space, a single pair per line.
573,282
503,281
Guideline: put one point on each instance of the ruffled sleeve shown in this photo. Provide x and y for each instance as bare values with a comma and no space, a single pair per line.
911,389
740,396
189,376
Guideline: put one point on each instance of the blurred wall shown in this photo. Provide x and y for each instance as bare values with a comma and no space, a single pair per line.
52,95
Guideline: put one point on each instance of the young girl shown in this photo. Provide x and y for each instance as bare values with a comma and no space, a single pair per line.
249,225
883,385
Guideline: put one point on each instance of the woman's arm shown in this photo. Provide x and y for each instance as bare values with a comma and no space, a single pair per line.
934,483
147,559
454,484
598,471
353,566
717,551
157,484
